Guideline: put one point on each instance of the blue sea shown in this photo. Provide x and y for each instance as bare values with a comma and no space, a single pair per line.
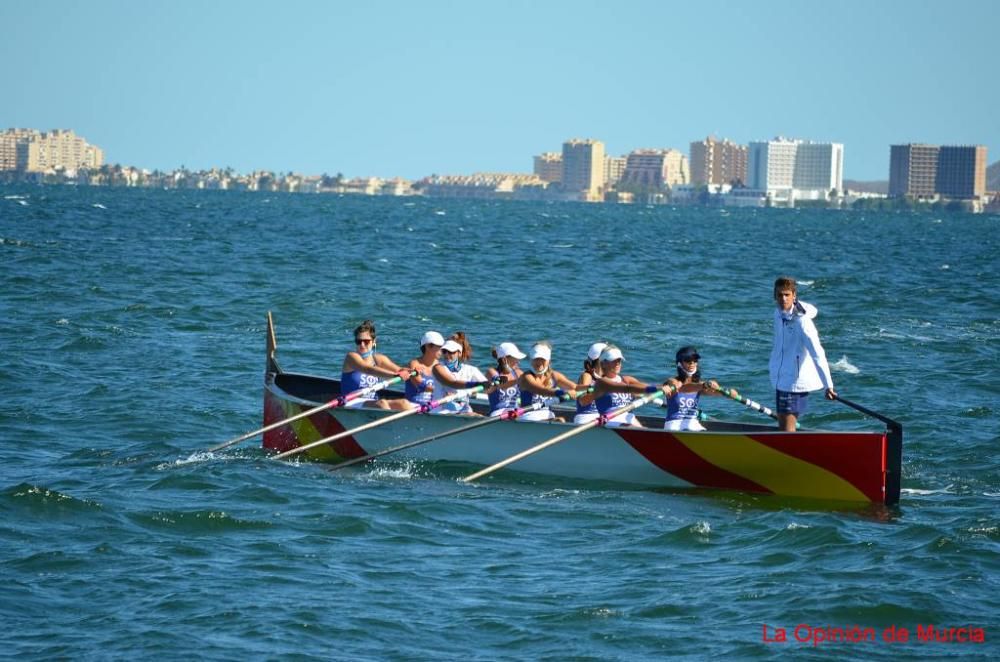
133,337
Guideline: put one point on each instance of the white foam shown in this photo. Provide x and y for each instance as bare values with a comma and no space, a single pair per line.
915,492
98,205
843,365
403,472
807,283
701,528
197,456
440,213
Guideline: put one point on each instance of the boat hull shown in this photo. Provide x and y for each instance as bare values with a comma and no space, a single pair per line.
842,466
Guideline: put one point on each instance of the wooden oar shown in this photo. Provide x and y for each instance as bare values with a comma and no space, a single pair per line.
614,413
338,401
506,416
434,404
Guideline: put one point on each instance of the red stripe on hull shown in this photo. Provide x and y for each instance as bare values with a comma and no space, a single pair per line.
670,455
850,456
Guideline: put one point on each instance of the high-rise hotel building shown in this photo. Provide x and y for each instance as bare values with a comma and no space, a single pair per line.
956,172
718,162
28,150
795,169
583,169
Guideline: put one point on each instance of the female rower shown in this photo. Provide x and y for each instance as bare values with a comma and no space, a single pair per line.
614,390
682,407
504,398
364,368
452,373
586,408
543,382
420,387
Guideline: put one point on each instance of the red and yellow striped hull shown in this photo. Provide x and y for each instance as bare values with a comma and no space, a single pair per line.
841,466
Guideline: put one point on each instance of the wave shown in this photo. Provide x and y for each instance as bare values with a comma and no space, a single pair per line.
844,365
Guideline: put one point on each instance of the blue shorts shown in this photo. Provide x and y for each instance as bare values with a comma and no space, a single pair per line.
791,403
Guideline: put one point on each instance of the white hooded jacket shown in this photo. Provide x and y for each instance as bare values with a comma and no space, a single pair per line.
798,362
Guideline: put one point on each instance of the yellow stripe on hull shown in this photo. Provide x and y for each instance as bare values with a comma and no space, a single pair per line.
777,471
307,433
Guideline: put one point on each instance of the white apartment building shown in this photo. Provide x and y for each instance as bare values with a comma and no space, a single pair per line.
788,170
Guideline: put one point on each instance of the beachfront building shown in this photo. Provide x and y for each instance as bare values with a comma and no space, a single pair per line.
718,162
786,170
655,169
583,169
29,150
929,172
549,167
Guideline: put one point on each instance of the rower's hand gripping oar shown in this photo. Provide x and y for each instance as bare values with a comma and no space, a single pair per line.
422,409
338,401
667,389
506,416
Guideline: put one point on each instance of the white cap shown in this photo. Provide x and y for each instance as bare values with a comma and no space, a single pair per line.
541,352
431,338
612,354
595,350
509,349
451,346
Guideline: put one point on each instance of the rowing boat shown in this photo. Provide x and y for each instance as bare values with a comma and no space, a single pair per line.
857,466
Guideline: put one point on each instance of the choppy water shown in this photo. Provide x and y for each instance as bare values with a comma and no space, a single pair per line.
133,338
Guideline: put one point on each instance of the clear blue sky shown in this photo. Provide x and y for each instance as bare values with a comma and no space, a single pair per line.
412,88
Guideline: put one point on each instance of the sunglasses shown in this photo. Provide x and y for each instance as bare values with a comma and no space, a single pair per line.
690,359
362,341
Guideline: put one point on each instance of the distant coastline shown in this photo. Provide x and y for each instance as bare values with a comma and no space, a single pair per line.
718,175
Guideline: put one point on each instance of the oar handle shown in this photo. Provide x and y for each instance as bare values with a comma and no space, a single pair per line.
374,388
666,389
463,393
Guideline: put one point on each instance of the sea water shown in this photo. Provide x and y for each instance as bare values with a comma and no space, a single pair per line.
133,336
